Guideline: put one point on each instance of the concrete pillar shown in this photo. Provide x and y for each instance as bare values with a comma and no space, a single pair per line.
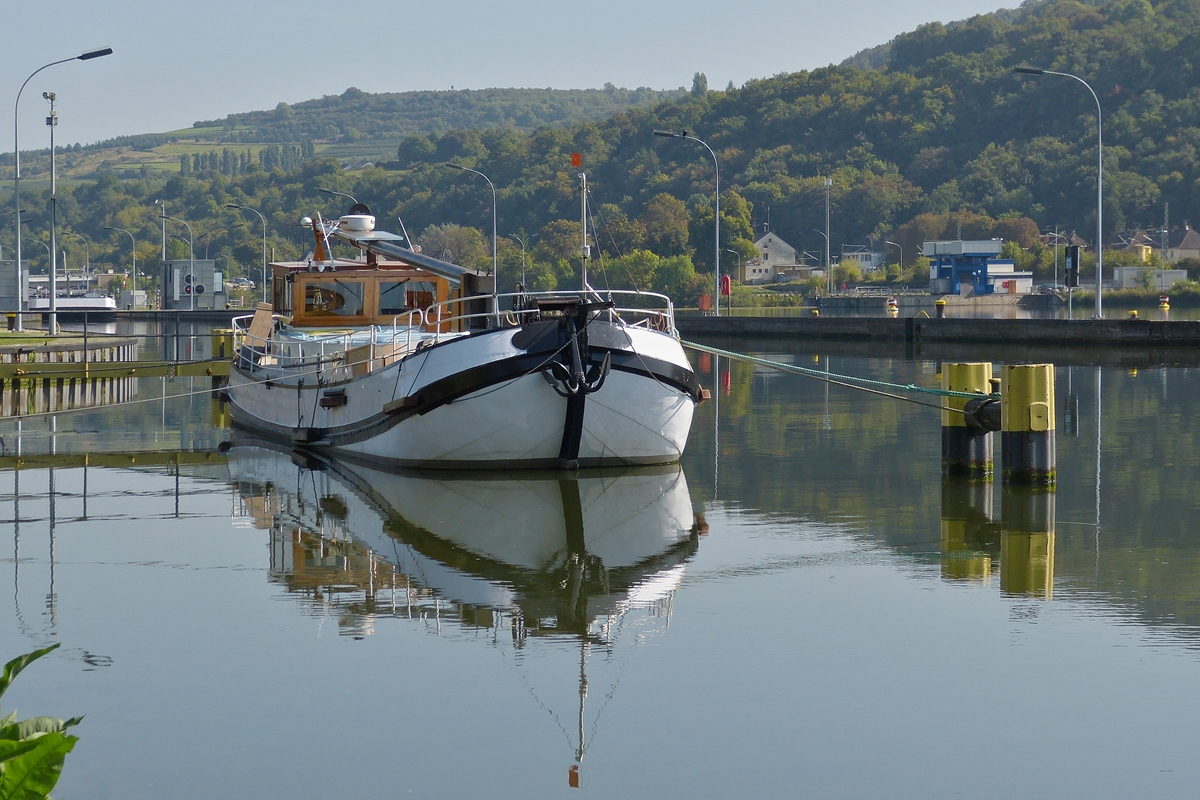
1027,542
966,450
1027,424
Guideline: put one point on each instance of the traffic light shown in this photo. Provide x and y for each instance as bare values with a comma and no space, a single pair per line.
1072,264
187,289
187,279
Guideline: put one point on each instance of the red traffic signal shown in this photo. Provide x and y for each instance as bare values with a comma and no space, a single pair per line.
187,290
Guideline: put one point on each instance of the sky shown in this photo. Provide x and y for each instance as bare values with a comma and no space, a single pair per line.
176,63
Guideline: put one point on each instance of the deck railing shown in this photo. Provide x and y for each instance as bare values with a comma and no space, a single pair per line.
448,316
331,357
337,356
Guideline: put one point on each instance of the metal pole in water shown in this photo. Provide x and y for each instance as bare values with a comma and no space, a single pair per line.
1027,424
966,444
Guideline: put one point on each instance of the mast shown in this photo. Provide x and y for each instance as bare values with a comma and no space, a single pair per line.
585,251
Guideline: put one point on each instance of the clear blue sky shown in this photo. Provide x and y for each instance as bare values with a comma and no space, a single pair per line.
177,63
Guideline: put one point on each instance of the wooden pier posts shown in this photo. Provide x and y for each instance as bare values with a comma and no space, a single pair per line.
966,447
1027,424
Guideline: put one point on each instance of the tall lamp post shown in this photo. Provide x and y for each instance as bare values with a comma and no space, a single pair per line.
899,248
528,238
495,262
716,214
133,253
339,194
191,258
87,250
264,222
1099,176
828,272
87,268
739,260
88,56
52,123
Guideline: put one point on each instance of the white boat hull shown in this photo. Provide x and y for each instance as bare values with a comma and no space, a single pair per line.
483,401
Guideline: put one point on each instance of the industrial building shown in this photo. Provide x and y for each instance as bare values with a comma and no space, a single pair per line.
969,268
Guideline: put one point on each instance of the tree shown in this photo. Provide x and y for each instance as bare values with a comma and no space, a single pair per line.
699,85
665,219
457,244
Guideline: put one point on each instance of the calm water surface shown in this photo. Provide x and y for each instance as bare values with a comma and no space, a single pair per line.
802,609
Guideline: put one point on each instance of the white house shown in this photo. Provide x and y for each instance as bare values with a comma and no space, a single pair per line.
773,254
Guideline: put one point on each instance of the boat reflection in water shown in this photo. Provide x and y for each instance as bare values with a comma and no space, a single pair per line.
593,557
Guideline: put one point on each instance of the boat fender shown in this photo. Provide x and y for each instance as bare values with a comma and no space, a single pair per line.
334,399
402,404
305,435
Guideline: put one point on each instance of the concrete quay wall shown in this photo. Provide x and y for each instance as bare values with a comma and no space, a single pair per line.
1081,332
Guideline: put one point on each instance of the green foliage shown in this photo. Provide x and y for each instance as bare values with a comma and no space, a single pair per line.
357,114
32,752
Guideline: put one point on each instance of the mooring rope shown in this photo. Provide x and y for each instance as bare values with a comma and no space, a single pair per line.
849,381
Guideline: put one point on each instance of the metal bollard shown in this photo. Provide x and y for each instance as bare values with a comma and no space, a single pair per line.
1027,542
969,536
940,305
966,448
1027,424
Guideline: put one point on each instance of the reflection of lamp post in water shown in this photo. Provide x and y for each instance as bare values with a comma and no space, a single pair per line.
716,420
1099,418
826,420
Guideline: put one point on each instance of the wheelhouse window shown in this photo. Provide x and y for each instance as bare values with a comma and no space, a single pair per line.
333,298
393,297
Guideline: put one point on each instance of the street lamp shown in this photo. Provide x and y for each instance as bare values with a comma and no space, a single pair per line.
901,249
739,260
339,194
1057,239
86,249
716,214
828,271
1099,175
828,275
264,222
528,238
133,253
191,257
495,276
88,56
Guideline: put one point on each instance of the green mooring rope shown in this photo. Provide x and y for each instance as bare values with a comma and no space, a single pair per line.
852,380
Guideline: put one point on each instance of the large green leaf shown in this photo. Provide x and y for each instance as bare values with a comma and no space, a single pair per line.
33,774
13,748
12,668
